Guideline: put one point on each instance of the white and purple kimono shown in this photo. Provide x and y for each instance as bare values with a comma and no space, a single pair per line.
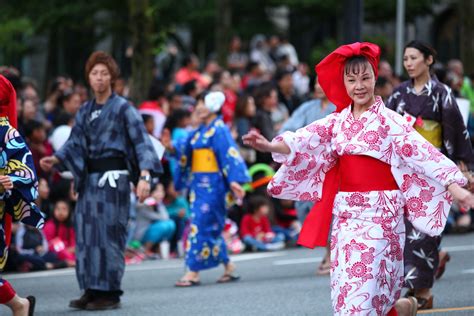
368,230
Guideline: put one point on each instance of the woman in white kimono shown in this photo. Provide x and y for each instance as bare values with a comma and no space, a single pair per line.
368,167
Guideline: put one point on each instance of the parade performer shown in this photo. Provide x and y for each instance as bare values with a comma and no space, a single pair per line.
365,165
18,190
430,107
108,148
209,159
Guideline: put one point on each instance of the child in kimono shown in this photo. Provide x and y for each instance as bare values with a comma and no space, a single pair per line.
18,190
210,159
365,165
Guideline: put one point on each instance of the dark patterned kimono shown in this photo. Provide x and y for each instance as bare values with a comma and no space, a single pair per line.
16,161
435,116
112,131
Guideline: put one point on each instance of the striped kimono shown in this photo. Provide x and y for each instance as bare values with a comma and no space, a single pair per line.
368,230
102,210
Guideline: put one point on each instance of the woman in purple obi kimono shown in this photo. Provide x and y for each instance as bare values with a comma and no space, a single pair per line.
430,107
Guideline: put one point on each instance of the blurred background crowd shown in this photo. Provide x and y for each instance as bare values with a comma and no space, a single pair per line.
268,86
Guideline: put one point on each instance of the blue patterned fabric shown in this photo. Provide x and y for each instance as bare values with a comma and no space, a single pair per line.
16,162
209,195
102,213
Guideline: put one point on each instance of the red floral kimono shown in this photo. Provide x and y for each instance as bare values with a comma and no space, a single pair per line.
401,174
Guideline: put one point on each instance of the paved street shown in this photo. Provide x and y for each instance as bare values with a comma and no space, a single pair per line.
279,283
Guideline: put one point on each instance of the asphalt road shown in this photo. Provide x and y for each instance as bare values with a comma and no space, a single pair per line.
277,283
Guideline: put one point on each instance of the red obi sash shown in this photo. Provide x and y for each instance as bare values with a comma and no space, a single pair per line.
352,173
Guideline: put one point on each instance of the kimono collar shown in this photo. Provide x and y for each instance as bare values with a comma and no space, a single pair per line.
331,70
427,88
112,96
8,101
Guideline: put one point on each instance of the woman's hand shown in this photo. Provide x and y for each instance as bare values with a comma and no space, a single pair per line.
463,196
6,182
237,189
47,163
256,140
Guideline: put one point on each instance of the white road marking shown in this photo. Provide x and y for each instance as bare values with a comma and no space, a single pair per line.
141,267
297,261
458,248
254,256
468,271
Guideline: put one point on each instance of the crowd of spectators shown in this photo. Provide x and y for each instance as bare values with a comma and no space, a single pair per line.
266,88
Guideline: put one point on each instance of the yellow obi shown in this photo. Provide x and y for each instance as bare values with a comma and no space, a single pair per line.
204,160
432,132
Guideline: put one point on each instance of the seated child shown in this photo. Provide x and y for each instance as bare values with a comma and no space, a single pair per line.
153,225
60,233
255,227
231,237
33,253
178,210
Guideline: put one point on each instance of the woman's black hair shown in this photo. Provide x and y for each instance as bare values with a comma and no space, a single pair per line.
356,65
262,92
67,222
241,106
424,48
176,116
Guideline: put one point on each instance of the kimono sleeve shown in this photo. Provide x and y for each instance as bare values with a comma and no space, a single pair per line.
183,154
311,156
419,155
228,157
146,156
17,162
423,174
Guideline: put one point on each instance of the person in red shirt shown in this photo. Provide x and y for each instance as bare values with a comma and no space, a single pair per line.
60,233
255,227
189,72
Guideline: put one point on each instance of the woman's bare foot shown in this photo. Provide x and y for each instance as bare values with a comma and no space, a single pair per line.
191,276
19,306
229,268
406,306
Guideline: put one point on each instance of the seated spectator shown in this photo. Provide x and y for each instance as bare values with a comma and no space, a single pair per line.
178,210
153,106
231,237
60,233
255,227
153,225
43,200
149,122
35,133
243,120
286,220
33,253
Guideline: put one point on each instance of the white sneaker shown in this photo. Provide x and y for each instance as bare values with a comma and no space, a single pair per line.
275,246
